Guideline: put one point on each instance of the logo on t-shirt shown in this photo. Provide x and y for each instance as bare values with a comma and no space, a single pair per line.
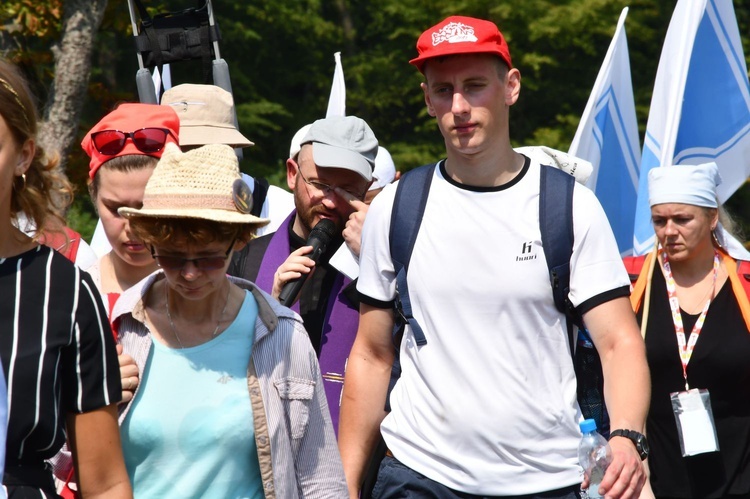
526,253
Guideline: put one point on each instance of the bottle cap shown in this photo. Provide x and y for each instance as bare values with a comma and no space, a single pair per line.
587,425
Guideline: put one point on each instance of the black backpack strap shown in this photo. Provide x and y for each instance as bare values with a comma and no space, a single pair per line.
406,218
556,226
147,23
259,195
408,208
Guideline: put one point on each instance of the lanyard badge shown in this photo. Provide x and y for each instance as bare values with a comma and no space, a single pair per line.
691,408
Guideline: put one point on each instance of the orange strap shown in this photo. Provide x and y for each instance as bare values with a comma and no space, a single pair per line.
736,270
740,290
636,295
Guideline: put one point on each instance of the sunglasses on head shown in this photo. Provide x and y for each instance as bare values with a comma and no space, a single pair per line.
202,263
148,140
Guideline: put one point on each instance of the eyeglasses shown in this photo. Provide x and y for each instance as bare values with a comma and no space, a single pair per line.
202,263
324,188
148,140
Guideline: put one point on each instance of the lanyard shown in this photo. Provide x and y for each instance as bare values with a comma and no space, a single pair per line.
686,350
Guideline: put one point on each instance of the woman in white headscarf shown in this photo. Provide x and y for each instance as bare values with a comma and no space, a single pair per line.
694,313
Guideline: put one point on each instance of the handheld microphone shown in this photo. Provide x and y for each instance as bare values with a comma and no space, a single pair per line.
320,236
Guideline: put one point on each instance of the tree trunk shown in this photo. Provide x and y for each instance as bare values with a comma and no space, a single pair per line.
81,21
348,24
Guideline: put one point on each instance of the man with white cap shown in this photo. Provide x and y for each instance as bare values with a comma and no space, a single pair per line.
329,174
486,402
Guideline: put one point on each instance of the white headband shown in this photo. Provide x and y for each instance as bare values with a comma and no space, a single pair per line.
686,184
385,169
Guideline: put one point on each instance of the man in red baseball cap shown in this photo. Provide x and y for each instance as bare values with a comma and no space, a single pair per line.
485,405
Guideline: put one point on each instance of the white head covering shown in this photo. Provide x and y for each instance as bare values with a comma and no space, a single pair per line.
685,184
694,185
385,169
296,144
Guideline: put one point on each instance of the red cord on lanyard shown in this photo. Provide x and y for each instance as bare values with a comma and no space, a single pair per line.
686,350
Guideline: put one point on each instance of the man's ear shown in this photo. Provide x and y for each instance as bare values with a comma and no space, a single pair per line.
430,109
512,86
291,173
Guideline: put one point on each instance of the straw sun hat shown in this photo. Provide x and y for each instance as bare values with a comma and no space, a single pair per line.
203,183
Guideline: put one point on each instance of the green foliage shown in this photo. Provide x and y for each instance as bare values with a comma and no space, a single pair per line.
82,218
280,57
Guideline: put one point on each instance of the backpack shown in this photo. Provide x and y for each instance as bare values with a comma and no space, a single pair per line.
740,280
65,242
260,192
556,225
186,35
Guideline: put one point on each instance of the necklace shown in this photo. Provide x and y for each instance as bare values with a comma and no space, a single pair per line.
171,324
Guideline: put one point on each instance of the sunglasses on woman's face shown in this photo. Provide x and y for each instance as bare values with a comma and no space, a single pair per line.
147,140
202,263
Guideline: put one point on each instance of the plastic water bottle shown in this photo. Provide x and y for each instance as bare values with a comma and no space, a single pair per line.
594,455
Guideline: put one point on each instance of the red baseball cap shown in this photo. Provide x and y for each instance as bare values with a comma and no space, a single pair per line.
461,35
127,118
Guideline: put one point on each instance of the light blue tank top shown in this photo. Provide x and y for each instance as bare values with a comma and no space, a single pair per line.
189,432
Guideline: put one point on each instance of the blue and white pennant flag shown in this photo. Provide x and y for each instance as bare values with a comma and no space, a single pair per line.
607,136
700,108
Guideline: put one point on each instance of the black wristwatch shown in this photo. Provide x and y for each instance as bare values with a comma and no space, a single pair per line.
641,444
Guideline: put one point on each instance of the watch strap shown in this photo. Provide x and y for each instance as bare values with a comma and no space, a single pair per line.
638,439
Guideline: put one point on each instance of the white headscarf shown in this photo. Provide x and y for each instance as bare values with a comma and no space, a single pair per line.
685,184
694,185
385,170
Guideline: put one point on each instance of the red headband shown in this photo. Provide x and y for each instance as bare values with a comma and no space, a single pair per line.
129,118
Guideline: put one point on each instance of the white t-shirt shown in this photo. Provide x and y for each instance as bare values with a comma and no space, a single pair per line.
488,406
278,205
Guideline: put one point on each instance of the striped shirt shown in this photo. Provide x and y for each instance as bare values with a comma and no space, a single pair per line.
57,351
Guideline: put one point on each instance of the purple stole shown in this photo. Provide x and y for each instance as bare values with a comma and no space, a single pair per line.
339,327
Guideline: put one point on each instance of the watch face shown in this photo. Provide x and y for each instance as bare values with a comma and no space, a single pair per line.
642,445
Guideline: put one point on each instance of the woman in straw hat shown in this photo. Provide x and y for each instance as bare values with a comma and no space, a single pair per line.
56,346
230,402
694,313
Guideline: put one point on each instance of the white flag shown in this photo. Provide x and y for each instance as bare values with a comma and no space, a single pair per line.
337,99
607,137
700,108
162,81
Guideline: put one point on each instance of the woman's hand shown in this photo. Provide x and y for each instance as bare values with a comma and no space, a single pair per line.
128,375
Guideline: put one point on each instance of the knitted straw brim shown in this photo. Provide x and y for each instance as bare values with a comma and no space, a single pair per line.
197,184
207,214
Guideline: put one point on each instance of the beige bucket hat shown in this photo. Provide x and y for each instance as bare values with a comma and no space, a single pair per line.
206,115
203,183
